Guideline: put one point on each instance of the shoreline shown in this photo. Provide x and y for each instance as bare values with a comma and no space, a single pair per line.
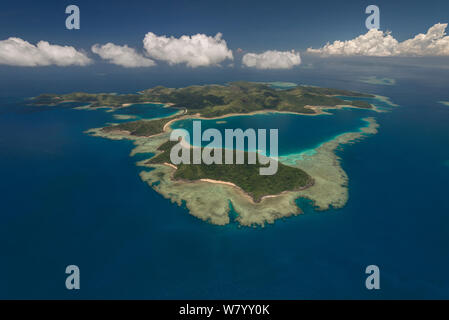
318,110
88,106
238,190
210,199
309,151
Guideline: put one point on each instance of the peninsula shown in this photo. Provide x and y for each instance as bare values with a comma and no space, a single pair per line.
210,191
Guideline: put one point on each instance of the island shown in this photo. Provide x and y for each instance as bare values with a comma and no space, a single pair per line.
211,101
244,176
210,192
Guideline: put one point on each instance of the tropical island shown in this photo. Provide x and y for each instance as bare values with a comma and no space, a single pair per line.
245,176
210,192
211,101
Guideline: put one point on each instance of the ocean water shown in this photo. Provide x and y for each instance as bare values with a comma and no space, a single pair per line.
296,133
69,198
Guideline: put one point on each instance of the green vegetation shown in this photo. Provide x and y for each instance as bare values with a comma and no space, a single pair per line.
360,104
95,100
142,128
218,100
246,176
333,92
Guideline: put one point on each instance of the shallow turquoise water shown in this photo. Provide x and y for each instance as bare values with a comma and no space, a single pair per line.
296,133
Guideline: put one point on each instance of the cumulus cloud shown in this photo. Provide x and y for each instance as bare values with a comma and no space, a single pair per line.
18,52
122,55
272,59
383,44
195,51
433,43
373,43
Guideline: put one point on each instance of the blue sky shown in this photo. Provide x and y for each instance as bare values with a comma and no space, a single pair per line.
254,26
250,25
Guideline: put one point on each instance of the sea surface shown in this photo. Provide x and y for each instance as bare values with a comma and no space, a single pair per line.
69,198
296,133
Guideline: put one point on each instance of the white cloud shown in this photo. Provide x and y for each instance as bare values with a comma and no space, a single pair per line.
382,44
18,52
373,43
122,55
195,51
272,59
433,43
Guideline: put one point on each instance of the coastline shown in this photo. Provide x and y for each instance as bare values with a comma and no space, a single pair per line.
330,187
319,110
209,199
88,106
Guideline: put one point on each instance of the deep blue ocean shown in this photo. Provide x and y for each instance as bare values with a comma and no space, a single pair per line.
69,198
